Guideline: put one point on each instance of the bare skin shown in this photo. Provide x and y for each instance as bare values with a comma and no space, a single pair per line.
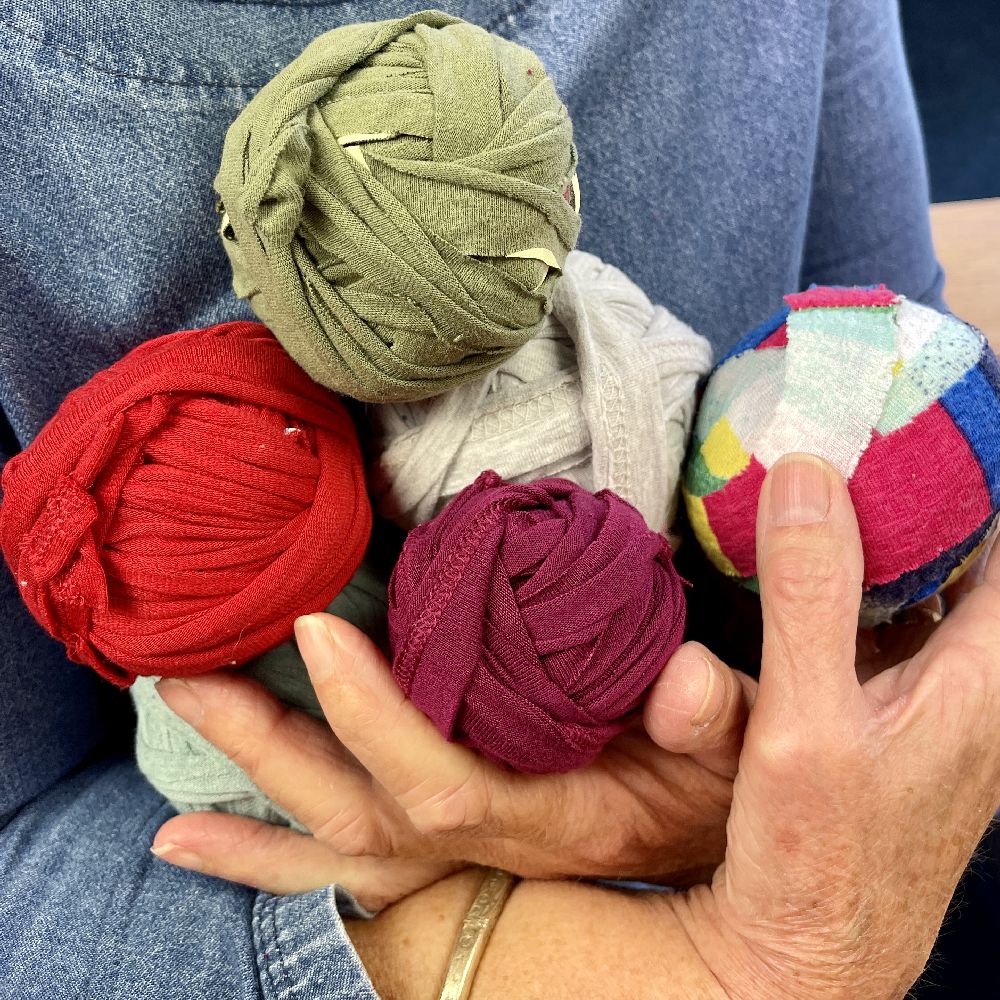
855,807
416,807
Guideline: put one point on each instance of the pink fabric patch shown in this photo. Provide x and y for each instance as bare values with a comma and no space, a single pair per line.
777,339
732,514
903,490
828,296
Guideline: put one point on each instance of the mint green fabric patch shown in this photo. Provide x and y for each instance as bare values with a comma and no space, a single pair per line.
946,358
871,325
854,375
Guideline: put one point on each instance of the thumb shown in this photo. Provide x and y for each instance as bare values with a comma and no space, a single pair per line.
698,706
810,567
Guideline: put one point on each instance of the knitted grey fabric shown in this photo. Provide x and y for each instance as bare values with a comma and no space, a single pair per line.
193,774
604,395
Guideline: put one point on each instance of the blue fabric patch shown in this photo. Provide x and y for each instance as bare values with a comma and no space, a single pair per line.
974,405
750,340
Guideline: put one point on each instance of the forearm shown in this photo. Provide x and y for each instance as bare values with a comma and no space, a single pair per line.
553,940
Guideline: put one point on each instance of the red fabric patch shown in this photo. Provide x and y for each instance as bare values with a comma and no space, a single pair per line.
829,296
732,514
917,492
777,339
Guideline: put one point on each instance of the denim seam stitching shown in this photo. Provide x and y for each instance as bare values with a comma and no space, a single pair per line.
97,67
265,961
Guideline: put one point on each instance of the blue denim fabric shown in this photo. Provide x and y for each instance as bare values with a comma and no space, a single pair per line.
729,153
87,913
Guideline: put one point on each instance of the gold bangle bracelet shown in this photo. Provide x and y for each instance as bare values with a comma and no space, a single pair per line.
475,933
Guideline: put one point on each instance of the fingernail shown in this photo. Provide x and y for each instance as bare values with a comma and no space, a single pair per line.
799,492
316,646
177,855
182,698
712,702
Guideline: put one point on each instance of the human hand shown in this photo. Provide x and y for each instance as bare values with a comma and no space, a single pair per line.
857,805
886,645
391,805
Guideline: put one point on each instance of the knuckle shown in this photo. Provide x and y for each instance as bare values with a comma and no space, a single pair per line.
962,658
966,681
799,579
455,809
798,752
252,727
782,752
350,831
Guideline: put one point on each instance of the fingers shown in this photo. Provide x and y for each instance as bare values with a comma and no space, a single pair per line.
810,567
282,861
440,786
698,706
291,757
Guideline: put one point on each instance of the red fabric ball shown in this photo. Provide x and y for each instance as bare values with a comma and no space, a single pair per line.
185,505
527,620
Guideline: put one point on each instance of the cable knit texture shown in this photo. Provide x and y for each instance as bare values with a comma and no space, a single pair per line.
604,395
527,620
399,202
185,505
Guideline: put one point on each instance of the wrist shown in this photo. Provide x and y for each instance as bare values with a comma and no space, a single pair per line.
775,963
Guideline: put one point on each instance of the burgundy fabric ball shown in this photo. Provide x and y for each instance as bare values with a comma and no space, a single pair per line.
528,620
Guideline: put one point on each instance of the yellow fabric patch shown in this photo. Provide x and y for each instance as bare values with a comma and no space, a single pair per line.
698,517
897,367
957,572
722,451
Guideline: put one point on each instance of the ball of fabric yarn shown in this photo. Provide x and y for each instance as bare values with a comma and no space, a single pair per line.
193,774
900,399
527,620
185,505
398,202
603,395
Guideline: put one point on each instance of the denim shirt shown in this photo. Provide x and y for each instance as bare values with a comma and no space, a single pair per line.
729,153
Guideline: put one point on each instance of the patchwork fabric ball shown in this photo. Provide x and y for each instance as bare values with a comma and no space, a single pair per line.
902,400
527,620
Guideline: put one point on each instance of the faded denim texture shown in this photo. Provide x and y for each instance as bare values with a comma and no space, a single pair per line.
729,153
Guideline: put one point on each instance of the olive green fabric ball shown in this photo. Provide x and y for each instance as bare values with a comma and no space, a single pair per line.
398,204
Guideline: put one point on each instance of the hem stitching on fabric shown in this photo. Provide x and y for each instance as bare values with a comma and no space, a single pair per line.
264,914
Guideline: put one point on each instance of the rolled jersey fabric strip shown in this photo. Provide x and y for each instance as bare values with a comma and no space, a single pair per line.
603,395
902,400
527,620
193,774
398,204
185,505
